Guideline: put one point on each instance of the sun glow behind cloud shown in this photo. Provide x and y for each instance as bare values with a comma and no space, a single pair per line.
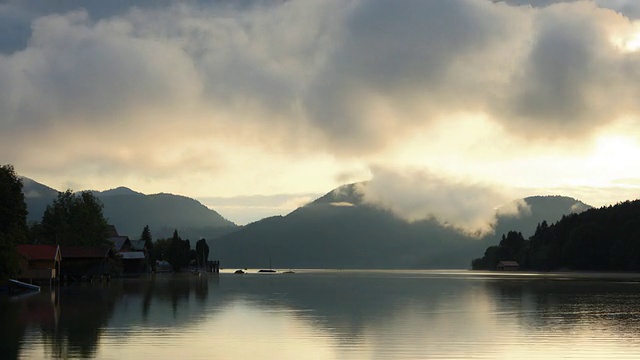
302,96
628,40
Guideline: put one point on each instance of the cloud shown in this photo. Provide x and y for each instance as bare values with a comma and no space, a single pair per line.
514,208
352,73
563,86
418,194
164,88
342,204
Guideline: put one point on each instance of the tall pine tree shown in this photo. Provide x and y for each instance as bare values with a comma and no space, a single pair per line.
13,220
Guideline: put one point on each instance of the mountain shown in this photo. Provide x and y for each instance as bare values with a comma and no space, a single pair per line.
130,211
37,196
117,191
339,230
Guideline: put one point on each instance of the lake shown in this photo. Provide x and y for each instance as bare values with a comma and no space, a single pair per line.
330,315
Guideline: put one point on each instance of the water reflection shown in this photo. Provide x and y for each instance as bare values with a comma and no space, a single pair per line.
328,315
564,305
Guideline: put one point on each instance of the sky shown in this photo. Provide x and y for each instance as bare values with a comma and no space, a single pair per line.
445,107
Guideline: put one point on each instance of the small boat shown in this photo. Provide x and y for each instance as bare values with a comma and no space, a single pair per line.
266,271
289,272
24,285
239,271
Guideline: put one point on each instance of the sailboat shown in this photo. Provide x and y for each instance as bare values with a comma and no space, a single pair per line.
269,270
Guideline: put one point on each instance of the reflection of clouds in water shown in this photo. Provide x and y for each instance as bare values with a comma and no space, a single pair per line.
357,314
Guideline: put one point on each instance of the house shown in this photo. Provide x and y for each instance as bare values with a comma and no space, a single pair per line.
138,245
39,262
120,243
508,265
132,253
84,261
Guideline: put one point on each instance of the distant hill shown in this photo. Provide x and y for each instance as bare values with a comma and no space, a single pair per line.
338,230
37,196
130,211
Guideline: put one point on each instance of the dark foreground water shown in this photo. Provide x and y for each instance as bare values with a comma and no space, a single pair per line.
330,315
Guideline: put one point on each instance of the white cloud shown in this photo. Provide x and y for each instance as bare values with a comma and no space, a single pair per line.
271,95
418,194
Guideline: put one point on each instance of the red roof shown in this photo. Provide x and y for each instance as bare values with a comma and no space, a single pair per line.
71,252
38,252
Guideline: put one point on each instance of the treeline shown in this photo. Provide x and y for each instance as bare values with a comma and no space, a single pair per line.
75,219
176,251
605,239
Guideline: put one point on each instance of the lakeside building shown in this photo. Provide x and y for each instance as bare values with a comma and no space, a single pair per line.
508,265
132,252
39,262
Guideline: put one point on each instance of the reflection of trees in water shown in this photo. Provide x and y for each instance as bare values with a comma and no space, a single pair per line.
84,311
565,304
71,319
202,287
173,289
12,327
146,299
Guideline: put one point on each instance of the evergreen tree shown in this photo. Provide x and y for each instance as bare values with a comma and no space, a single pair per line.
202,253
13,220
178,253
148,244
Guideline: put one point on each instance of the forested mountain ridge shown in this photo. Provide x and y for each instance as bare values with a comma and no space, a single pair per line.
338,230
604,239
130,211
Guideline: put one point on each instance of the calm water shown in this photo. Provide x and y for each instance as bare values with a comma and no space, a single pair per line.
330,315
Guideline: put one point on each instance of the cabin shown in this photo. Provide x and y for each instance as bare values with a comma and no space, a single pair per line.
85,262
39,262
508,266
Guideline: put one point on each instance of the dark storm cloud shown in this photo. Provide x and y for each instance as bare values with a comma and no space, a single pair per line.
345,77
405,56
573,79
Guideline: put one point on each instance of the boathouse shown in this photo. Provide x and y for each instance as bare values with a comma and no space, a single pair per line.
508,266
133,262
120,243
85,262
39,262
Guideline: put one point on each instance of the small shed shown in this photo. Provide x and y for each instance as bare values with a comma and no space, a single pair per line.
133,262
39,262
508,265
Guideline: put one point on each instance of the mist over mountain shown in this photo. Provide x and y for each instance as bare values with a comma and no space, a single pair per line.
339,230
130,211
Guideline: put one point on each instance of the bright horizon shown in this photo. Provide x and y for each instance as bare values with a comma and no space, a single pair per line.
254,108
